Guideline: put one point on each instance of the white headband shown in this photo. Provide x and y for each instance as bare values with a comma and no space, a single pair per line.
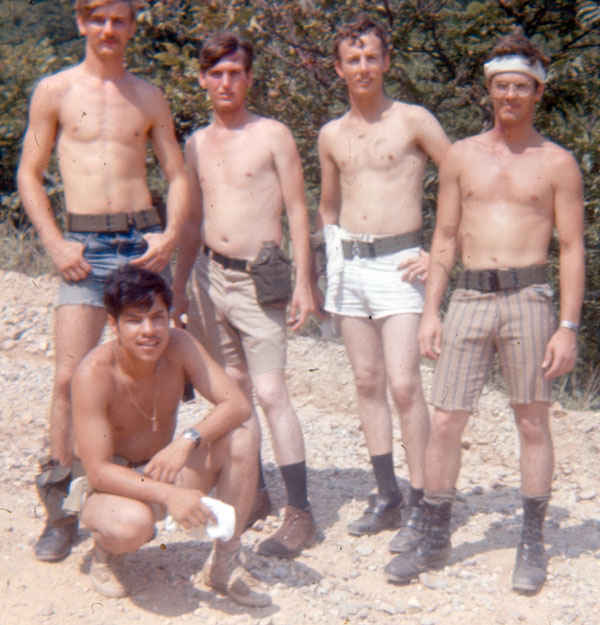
515,63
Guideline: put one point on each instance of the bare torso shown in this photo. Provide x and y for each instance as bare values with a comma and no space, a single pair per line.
131,405
102,131
507,202
241,193
381,168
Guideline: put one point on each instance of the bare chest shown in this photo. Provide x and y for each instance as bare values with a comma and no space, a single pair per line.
511,179
103,115
235,163
378,148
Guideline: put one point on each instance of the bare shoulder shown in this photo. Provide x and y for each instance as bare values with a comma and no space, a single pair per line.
557,158
332,128
52,88
413,113
181,344
195,140
271,127
96,369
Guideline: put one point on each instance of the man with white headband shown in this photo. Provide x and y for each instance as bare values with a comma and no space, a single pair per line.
501,195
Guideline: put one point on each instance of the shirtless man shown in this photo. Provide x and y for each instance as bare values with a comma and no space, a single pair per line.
501,194
372,165
100,117
244,169
125,397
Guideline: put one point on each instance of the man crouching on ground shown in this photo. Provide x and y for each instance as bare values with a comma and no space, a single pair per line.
125,395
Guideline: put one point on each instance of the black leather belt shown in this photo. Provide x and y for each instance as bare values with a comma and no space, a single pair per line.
239,264
492,280
112,222
381,246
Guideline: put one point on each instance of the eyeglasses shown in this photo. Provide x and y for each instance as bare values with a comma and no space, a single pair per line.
520,89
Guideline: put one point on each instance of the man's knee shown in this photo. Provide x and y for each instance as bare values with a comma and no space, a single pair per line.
130,528
405,391
447,426
242,443
369,380
533,422
271,393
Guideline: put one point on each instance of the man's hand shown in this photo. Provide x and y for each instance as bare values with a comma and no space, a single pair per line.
166,464
156,257
68,259
417,267
180,307
185,507
561,353
302,305
430,336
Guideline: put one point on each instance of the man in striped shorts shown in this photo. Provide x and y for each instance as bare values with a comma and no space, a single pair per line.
501,195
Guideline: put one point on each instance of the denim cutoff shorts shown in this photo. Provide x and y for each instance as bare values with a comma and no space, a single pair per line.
105,252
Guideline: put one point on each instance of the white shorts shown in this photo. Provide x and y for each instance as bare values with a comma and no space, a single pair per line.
368,287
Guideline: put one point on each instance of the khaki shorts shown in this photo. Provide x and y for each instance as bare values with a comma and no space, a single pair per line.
80,489
233,326
517,324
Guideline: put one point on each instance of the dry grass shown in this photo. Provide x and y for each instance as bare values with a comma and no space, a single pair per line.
22,251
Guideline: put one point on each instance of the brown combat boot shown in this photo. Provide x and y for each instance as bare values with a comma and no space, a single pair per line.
297,532
225,573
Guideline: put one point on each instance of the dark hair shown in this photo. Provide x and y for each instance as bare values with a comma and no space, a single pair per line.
130,286
359,26
517,43
221,45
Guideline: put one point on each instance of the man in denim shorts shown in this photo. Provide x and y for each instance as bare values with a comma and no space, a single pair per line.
501,195
100,118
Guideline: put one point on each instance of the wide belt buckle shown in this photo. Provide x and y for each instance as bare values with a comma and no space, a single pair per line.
493,283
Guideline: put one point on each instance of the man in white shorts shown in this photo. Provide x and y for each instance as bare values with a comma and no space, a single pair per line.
372,165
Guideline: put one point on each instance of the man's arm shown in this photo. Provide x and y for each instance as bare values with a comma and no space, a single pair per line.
291,180
166,148
189,242
231,406
331,197
37,148
443,253
561,351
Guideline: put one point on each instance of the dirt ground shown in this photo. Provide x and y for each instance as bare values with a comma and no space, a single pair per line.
338,581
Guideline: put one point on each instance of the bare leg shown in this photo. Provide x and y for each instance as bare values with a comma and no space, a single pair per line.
402,359
442,457
537,451
363,343
77,330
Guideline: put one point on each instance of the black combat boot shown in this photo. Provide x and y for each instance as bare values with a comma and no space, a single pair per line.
409,536
61,528
431,552
381,513
531,563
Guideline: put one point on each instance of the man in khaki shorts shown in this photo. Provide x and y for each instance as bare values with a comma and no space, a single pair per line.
100,117
125,398
373,160
244,169
501,195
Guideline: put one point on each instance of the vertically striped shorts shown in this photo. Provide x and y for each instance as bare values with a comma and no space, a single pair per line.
517,324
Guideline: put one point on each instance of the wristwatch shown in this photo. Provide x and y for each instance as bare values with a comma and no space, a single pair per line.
193,435
570,325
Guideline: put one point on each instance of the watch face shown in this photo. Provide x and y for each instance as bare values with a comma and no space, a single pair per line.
192,435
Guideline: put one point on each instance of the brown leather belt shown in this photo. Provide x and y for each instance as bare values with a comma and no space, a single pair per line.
492,280
239,264
381,246
112,222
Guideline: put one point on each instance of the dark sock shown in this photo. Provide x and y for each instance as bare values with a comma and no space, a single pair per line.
261,476
383,467
414,497
534,513
294,478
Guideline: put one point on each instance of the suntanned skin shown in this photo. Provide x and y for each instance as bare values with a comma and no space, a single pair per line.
245,169
100,119
502,193
372,165
114,392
